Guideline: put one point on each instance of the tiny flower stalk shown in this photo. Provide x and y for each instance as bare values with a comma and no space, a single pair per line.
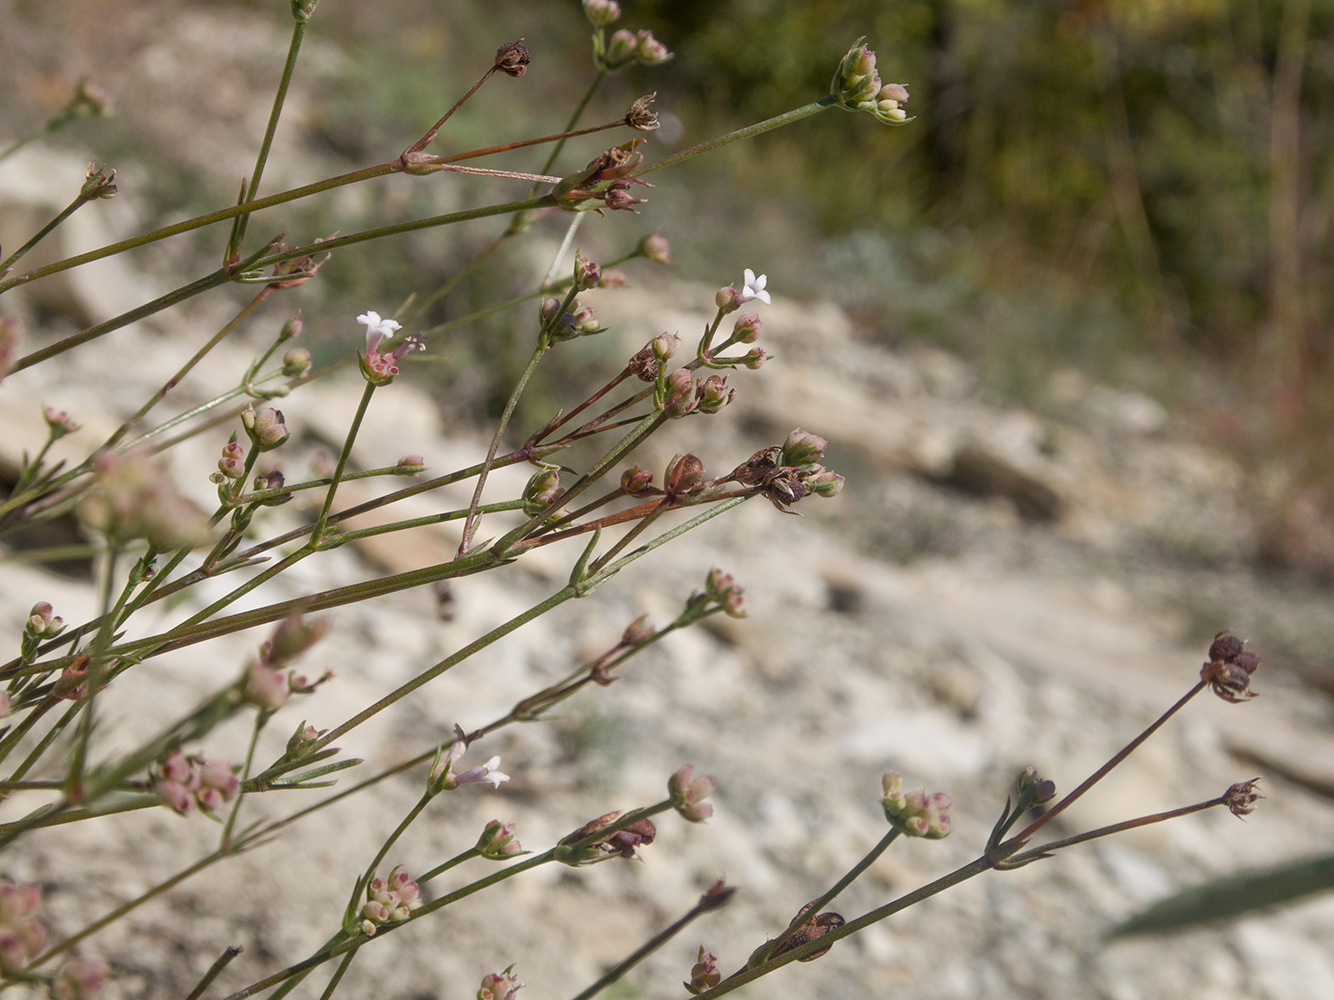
717,896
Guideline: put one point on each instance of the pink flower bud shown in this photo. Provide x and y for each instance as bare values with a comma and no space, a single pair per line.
499,842
587,273
499,986
621,48
296,362
601,13
59,422
688,794
802,448
636,481
656,248
81,979
649,51
747,328
684,475
264,687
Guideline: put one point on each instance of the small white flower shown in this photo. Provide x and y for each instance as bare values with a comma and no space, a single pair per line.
483,772
377,329
754,288
444,778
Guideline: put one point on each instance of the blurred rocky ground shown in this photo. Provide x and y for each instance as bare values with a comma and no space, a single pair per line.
997,586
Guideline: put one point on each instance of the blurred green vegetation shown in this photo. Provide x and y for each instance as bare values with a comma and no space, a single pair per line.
1143,189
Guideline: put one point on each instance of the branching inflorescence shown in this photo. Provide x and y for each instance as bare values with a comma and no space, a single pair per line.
153,544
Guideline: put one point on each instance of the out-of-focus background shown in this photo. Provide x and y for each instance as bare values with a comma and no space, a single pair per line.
1068,331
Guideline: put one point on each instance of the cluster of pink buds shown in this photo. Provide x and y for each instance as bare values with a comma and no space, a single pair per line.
499,842
1229,669
266,429
22,936
857,87
132,497
183,782
265,683
81,979
566,324
704,974
585,846
59,422
688,794
722,590
604,182
685,393
389,901
43,623
499,985
231,466
377,368
915,814
625,47
789,473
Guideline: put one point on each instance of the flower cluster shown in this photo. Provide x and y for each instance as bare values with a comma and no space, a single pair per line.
789,473
389,901
499,985
132,497
586,847
857,87
81,979
688,794
265,684
499,842
22,936
1229,669
183,782
704,974
381,369
915,814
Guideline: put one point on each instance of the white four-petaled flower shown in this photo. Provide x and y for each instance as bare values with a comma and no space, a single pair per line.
754,287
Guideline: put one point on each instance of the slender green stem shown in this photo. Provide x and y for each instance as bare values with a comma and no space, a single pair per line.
828,896
745,976
455,658
214,970
1102,772
293,49
221,277
43,233
578,113
458,859
222,215
338,974
120,911
619,970
261,719
97,658
44,744
185,369
778,121
318,531
470,525
399,830
1107,831
204,284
